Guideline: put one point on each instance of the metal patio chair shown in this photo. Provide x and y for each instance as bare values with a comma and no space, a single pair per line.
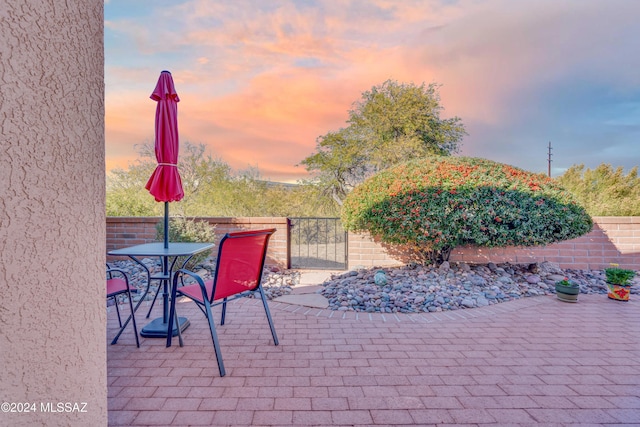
119,285
241,257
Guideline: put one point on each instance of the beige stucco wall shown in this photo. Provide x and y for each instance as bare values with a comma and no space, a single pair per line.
52,213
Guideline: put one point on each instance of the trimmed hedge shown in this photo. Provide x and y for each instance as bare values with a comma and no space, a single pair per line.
436,203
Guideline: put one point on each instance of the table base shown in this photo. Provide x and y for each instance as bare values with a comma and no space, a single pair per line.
157,328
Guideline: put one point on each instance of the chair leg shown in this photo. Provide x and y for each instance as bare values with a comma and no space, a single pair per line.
266,310
126,322
115,302
172,313
177,322
133,318
154,300
214,338
224,311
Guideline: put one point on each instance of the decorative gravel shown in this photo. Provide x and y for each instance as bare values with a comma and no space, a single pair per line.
414,288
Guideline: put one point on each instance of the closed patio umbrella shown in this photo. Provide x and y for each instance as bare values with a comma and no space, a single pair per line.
165,183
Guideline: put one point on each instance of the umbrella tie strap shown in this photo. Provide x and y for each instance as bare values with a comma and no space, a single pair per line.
167,164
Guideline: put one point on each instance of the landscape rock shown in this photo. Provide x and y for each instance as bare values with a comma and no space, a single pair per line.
418,288
410,289
533,279
380,278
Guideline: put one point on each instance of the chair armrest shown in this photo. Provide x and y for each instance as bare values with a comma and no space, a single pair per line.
112,270
195,276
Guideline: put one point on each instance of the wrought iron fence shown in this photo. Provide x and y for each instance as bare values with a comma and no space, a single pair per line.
319,243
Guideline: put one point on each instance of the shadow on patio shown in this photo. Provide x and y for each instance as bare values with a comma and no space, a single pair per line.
534,361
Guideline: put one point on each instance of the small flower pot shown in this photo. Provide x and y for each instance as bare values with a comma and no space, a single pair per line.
618,292
567,293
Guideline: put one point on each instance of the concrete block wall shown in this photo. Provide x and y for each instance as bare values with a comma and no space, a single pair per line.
612,240
129,231
366,251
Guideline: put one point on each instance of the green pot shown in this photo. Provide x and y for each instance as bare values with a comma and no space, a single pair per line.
567,293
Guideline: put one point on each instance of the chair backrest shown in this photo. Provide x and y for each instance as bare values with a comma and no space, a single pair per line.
241,257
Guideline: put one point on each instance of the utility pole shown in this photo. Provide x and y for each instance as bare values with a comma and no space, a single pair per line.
549,161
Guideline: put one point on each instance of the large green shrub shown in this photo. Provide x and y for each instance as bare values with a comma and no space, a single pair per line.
434,204
188,230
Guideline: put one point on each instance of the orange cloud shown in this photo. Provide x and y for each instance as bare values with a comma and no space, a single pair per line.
260,81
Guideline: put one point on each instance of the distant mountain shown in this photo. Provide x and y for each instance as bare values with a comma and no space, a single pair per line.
278,184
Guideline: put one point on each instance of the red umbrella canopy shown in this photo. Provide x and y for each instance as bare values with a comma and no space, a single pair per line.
165,183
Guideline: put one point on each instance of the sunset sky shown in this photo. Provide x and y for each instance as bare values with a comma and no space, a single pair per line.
259,81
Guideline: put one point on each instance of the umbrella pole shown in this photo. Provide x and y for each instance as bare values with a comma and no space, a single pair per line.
166,225
165,263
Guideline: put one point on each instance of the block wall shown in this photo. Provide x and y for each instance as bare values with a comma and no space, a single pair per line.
129,231
612,240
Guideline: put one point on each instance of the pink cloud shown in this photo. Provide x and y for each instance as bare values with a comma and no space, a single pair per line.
260,81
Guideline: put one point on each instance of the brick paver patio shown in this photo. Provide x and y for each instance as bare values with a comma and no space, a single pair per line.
531,362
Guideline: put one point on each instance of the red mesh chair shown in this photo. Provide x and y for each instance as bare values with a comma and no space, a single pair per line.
119,285
238,274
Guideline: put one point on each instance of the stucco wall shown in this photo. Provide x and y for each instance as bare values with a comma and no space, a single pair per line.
52,221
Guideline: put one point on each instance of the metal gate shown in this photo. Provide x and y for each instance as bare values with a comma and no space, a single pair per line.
318,243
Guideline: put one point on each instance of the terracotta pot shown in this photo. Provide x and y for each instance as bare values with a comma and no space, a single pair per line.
618,292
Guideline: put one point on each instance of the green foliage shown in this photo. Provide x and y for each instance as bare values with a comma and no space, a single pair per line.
126,195
392,123
568,283
188,230
211,188
131,202
619,276
437,203
604,191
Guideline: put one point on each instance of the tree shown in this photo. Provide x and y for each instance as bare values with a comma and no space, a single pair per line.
211,188
126,193
392,123
435,204
604,191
